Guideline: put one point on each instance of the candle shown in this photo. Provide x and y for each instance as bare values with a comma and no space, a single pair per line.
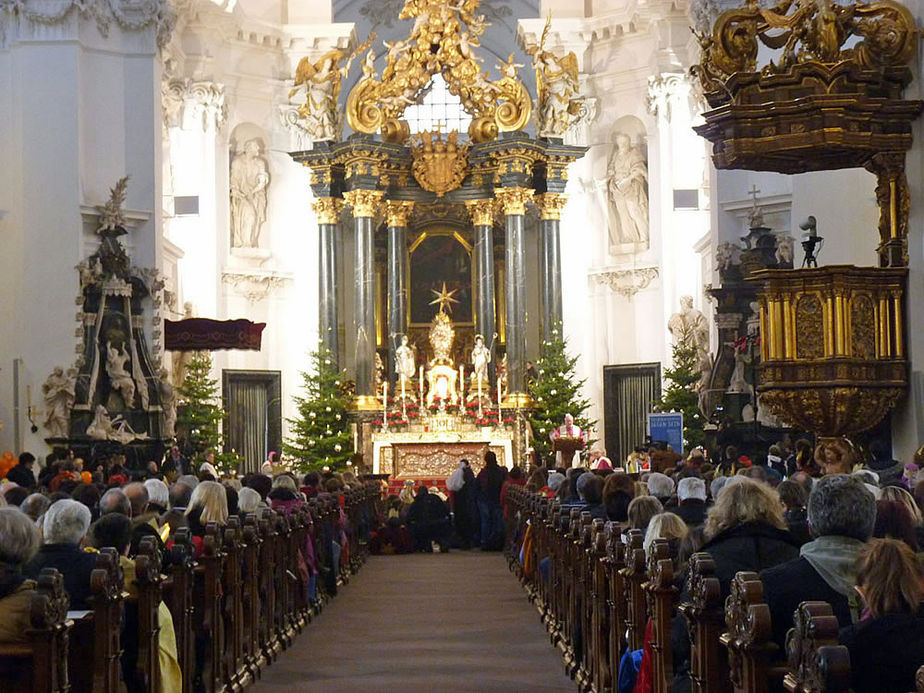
498,391
421,386
462,381
355,439
402,388
385,395
480,412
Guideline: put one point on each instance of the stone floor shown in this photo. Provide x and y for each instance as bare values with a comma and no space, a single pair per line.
425,622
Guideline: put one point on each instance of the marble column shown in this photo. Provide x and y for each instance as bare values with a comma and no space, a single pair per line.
550,303
482,212
513,201
328,210
397,214
364,204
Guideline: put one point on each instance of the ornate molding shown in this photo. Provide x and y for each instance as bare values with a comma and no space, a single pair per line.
513,200
482,212
255,285
191,104
661,89
397,212
365,203
550,205
127,15
327,209
626,282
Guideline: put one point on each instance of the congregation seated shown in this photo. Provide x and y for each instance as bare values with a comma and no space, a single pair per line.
590,492
641,510
178,498
794,497
618,492
64,527
661,486
691,500
841,515
19,541
35,505
886,645
208,503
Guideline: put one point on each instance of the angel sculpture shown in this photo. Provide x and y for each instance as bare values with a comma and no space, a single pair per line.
558,103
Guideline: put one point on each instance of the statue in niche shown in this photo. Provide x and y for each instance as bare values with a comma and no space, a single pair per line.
627,189
249,180
481,357
690,328
167,403
405,363
59,394
121,379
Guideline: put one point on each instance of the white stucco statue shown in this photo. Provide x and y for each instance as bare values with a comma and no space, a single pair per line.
58,392
105,428
405,362
167,404
322,81
690,328
481,357
628,193
119,376
558,105
249,180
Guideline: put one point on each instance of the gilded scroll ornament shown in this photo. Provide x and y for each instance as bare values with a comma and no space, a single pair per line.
805,32
442,40
513,200
439,165
365,203
327,209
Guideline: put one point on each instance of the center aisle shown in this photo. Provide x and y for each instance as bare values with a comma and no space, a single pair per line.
454,622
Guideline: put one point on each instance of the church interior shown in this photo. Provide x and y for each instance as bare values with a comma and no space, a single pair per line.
394,240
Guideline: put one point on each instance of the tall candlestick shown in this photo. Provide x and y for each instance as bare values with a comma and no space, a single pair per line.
480,411
421,387
462,383
385,405
498,392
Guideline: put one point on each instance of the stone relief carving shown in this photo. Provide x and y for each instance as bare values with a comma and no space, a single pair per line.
255,285
128,16
660,90
627,191
626,282
249,181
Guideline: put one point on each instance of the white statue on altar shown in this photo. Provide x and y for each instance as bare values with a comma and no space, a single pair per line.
481,357
405,362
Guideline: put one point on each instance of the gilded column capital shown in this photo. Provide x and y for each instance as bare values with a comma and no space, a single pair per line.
513,200
364,202
327,209
482,211
550,205
397,211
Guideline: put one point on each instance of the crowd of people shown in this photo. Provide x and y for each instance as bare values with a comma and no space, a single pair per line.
818,523
61,515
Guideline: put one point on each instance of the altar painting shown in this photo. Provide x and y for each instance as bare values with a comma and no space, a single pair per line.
438,258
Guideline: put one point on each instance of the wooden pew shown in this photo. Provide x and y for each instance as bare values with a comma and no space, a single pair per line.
662,593
634,577
234,674
705,617
615,562
149,583
208,625
93,656
601,674
178,595
749,635
40,665
816,661
250,595
270,645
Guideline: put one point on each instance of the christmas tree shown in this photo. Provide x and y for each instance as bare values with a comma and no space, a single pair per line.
681,395
555,392
320,434
199,415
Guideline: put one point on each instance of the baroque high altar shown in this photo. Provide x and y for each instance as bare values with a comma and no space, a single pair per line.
430,193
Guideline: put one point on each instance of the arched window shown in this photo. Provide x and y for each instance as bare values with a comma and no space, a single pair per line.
439,106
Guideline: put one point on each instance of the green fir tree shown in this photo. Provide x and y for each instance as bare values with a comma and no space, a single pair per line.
680,395
555,392
320,434
199,415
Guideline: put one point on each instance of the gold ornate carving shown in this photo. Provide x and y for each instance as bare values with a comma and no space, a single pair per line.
442,41
863,327
807,32
550,205
397,212
513,200
439,165
327,209
558,105
810,336
365,203
894,200
482,212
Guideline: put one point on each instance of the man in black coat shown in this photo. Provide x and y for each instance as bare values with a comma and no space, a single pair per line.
428,521
22,474
841,516
691,496
64,526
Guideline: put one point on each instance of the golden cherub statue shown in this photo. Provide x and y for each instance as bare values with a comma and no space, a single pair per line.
558,103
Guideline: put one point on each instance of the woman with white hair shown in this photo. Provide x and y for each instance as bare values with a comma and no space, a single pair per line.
64,527
19,540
